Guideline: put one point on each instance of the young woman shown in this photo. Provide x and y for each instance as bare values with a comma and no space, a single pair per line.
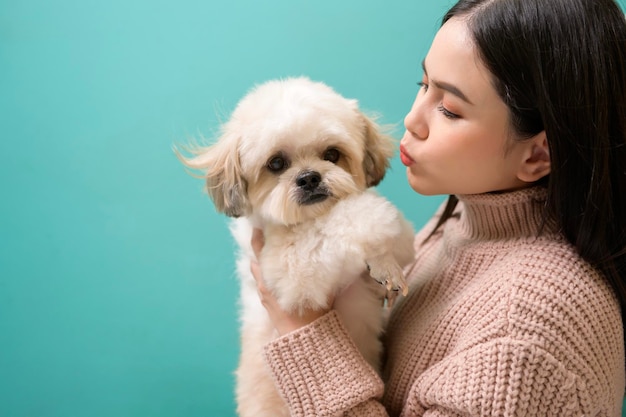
521,279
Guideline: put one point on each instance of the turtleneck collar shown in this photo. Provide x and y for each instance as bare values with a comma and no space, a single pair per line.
497,216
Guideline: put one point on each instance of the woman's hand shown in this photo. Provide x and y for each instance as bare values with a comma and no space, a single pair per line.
284,322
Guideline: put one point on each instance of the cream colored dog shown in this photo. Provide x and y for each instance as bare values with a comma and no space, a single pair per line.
296,159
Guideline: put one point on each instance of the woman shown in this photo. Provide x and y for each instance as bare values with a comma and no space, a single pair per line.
520,280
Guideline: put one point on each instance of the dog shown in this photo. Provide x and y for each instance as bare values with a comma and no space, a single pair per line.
298,160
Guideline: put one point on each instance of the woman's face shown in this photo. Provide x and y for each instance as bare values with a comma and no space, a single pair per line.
458,138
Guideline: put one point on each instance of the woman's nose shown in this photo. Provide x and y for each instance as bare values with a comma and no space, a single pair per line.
415,121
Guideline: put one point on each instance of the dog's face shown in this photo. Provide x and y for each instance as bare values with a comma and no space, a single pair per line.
291,149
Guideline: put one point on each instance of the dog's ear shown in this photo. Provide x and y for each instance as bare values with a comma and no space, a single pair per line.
379,148
224,179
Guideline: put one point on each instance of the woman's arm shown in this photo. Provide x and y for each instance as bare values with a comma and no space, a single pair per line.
320,372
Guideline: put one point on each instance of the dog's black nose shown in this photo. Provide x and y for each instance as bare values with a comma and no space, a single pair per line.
309,180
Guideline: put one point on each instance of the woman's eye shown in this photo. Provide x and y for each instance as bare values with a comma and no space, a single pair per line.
447,113
332,155
276,164
423,85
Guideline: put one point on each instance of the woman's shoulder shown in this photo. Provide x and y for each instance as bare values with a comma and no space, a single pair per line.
549,279
564,305
551,265
539,291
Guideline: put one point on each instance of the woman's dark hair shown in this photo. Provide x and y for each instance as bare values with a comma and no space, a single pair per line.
560,66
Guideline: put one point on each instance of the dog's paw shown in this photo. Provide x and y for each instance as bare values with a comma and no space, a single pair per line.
387,272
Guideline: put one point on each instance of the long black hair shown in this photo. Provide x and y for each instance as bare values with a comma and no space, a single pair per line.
560,66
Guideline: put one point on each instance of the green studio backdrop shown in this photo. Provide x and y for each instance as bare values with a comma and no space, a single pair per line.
117,288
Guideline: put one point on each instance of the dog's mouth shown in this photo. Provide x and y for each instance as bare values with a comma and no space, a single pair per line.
314,197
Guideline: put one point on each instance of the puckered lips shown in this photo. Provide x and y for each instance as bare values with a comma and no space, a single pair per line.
404,157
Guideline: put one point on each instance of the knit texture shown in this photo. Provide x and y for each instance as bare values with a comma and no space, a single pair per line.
499,321
317,376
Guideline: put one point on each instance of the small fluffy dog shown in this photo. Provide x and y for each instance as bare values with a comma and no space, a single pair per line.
296,159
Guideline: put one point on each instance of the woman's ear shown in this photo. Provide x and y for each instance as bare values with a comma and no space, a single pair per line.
536,159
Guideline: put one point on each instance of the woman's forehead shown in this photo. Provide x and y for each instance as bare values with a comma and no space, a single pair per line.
453,61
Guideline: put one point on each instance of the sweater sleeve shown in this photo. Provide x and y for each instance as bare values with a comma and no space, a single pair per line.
502,377
320,372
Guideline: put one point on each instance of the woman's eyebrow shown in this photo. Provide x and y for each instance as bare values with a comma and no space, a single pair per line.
446,86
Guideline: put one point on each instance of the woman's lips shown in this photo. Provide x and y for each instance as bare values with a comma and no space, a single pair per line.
405,158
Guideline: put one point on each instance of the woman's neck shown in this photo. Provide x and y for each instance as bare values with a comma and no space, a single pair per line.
496,216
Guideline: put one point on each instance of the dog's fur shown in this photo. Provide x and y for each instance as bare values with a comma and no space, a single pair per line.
296,159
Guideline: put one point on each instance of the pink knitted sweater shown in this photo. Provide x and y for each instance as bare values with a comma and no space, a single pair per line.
498,322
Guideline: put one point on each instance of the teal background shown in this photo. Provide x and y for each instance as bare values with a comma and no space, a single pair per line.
117,292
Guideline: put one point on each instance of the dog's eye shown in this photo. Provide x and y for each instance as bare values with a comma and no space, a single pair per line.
276,163
332,155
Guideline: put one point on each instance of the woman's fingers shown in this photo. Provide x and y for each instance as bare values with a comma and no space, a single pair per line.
257,241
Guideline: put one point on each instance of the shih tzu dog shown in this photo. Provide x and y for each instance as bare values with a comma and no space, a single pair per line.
296,159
